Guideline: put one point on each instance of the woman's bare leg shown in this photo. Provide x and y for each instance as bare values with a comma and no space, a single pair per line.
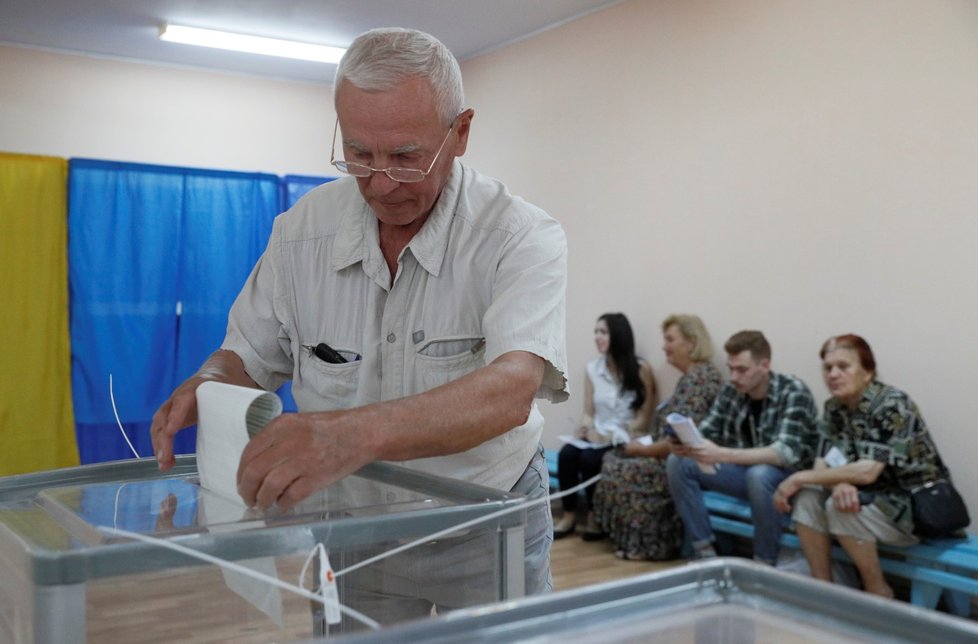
866,558
817,548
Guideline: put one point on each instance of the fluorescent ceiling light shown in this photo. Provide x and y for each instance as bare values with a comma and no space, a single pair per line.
251,44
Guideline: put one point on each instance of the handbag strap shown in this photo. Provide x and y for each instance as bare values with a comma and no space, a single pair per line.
927,485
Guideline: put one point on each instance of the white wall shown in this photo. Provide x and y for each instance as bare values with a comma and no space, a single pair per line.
806,168
71,106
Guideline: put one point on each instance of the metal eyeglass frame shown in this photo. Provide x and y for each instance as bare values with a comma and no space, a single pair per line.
413,175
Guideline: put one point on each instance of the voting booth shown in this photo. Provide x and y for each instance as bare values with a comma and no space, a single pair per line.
719,601
67,573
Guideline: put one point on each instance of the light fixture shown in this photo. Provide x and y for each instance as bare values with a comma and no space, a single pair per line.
251,44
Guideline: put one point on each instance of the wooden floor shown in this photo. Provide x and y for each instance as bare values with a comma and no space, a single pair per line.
575,562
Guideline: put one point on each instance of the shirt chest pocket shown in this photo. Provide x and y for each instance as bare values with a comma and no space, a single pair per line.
334,386
440,361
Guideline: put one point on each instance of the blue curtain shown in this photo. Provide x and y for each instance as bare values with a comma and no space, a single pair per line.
295,186
226,224
156,256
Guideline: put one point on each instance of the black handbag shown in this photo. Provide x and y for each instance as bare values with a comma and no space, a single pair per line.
938,510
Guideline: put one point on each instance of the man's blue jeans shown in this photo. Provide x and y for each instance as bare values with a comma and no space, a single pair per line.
754,483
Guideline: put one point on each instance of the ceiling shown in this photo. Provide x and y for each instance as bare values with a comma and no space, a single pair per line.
129,29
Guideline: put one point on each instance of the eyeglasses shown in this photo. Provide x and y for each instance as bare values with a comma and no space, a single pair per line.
401,175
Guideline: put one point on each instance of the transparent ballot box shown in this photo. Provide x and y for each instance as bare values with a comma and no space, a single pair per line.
68,575
720,601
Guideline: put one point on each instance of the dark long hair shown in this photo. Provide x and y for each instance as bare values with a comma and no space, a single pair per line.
621,348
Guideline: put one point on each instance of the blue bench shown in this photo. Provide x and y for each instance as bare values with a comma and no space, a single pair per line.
935,567
551,455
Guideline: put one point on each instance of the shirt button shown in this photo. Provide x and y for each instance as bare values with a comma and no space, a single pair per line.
391,337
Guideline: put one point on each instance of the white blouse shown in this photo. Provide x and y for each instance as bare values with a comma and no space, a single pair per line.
612,409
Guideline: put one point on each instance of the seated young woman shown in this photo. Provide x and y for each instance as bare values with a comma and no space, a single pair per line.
632,503
875,449
619,397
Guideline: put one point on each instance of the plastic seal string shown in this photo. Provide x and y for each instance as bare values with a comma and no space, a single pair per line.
119,422
230,565
466,524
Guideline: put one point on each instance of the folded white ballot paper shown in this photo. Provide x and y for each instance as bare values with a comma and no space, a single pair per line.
609,436
227,417
689,434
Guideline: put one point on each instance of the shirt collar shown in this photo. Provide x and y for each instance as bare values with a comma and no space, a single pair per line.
870,393
358,239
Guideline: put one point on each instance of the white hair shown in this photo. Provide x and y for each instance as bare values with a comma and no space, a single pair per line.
382,58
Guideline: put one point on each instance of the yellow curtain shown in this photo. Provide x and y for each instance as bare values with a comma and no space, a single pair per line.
37,428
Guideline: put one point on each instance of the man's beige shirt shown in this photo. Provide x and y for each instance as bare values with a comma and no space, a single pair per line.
484,276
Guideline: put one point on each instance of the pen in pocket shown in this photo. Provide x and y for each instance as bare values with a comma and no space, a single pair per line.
326,353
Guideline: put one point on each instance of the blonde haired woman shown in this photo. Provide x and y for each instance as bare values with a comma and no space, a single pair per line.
632,503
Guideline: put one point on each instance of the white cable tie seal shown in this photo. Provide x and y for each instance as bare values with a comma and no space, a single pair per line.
327,586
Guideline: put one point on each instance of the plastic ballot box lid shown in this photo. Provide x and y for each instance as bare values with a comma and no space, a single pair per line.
720,600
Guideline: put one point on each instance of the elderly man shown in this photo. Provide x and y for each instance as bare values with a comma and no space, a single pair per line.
417,307
760,429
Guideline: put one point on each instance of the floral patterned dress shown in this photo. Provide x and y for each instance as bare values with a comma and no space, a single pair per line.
632,503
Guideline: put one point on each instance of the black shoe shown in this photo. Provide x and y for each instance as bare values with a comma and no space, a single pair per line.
592,531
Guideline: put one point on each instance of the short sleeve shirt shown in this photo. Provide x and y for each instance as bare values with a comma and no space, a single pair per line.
886,426
485,275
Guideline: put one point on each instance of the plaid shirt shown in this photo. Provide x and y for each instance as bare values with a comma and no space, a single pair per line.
786,423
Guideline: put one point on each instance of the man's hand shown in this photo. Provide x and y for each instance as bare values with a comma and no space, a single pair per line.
178,412
297,454
706,452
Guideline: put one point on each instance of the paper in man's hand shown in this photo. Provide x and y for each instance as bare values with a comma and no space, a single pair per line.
227,417
689,434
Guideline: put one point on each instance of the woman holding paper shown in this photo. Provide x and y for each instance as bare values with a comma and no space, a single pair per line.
632,501
619,394
876,447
